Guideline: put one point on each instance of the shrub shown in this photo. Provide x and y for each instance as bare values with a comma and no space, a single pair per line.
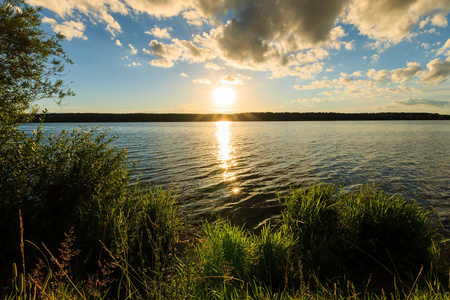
58,182
80,179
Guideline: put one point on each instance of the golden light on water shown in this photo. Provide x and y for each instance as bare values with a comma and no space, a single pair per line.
225,151
224,97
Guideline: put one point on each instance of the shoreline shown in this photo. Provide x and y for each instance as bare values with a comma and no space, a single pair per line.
236,117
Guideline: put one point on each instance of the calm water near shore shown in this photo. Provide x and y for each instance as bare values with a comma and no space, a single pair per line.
236,168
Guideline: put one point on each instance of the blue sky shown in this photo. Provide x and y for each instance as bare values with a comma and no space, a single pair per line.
205,56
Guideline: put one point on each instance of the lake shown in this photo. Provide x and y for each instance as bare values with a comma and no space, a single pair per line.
236,169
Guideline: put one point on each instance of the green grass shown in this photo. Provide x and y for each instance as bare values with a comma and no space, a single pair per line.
149,260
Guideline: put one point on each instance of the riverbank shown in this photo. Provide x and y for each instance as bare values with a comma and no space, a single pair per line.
327,245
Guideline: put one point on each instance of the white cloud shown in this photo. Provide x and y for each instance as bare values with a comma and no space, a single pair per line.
233,80
170,52
392,21
184,75
439,20
312,56
133,50
193,17
212,66
282,38
437,72
162,63
375,58
70,29
444,48
201,81
97,11
379,76
133,64
192,52
161,33
158,8
405,74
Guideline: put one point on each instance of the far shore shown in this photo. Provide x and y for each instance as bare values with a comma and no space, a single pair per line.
237,117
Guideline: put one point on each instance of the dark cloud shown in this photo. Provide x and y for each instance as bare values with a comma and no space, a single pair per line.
291,22
157,48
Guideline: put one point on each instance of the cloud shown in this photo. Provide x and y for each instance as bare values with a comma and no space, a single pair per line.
161,33
162,63
212,66
422,102
232,80
159,8
201,81
70,29
133,50
311,56
293,24
282,38
444,48
182,50
405,74
437,72
170,52
303,101
392,21
97,11
184,75
439,20
379,76
375,58
192,52
193,17
133,64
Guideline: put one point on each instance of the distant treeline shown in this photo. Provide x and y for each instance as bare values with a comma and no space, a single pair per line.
257,116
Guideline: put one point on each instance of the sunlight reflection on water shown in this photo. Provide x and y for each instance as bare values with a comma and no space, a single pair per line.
226,150
236,169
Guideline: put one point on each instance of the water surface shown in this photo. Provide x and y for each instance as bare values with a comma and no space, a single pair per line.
235,169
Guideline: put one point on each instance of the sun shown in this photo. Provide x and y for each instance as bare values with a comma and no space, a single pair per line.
224,96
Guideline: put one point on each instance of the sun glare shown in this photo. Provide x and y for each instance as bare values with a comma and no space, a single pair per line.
223,97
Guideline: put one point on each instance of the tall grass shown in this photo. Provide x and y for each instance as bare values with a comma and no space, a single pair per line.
386,233
311,217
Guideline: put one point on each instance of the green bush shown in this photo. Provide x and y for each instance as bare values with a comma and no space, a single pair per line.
80,179
58,182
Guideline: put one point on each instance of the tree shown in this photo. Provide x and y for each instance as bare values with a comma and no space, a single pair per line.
31,62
